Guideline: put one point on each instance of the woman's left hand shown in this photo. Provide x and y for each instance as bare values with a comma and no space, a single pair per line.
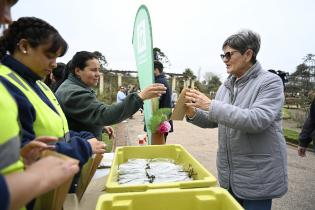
196,99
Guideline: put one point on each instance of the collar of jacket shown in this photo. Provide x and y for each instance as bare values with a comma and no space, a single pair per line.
79,82
250,73
162,75
20,69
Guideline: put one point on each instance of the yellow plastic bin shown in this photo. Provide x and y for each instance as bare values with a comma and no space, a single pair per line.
213,198
202,177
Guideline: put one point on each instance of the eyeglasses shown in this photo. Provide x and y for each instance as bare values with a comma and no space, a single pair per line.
228,55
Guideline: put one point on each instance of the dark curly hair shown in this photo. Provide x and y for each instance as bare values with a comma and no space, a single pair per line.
35,31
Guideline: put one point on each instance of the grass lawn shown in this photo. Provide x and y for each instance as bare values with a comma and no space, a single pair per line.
293,136
108,142
286,114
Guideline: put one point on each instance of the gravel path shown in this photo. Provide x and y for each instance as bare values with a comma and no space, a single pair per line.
202,144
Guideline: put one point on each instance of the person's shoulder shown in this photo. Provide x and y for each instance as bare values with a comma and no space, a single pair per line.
269,76
268,79
120,93
63,87
69,87
161,80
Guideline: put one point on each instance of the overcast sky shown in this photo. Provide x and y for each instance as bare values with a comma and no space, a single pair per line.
190,33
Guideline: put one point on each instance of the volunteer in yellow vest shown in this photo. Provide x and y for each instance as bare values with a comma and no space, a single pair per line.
15,183
9,135
28,52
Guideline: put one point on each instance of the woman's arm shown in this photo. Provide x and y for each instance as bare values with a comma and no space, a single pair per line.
259,116
42,176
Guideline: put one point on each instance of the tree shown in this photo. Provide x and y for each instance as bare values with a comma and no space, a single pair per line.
101,59
188,73
160,56
309,61
309,58
201,87
207,76
301,70
214,83
303,79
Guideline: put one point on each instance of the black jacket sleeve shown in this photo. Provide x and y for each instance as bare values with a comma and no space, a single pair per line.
308,127
165,99
77,148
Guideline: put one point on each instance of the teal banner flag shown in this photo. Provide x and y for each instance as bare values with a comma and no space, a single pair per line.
143,50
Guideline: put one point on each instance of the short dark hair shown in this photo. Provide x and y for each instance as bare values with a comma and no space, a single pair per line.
158,65
79,60
59,71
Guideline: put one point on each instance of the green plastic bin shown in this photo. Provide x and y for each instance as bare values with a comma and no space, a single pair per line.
176,152
213,198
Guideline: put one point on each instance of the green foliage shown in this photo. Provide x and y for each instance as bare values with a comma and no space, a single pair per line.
301,70
188,73
301,80
158,117
160,56
214,83
101,59
108,142
202,87
293,137
309,58
111,86
286,114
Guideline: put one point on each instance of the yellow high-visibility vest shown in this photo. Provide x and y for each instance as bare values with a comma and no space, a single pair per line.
47,122
9,134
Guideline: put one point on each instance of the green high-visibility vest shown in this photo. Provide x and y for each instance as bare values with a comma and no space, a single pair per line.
9,134
47,121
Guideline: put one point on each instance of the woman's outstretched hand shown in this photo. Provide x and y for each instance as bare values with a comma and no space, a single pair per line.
152,91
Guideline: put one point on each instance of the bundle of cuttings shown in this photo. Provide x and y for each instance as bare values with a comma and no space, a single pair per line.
158,170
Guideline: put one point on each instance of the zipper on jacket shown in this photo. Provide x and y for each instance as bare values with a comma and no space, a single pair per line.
232,99
235,89
228,156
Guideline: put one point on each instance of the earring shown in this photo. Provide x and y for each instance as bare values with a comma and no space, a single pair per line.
24,51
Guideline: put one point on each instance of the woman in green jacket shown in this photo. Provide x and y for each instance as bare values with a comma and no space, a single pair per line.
83,110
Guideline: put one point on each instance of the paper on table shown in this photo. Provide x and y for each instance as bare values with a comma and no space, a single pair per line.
107,160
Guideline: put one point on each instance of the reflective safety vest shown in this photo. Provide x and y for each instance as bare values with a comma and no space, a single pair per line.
9,134
47,121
